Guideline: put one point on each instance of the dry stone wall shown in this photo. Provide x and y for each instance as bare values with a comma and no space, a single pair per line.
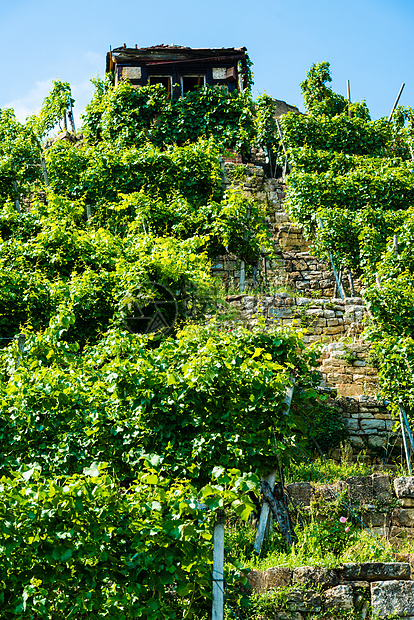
387,588
346,367
370,426
292,267
387,510
323,318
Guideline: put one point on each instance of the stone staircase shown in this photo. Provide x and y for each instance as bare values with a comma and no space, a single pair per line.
299,292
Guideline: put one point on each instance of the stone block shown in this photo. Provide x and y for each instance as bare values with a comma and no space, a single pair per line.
284,615
375,571
349,389
300,493
407,502
339,597
404,487
256,580
377,441
304,600
352,424
373,424
392,597
357,442
332,322
403,517
359,586
381,486
359,489
334,330
376,519
278,577
309,575
402,533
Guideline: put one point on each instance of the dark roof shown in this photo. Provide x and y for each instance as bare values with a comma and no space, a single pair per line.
176,53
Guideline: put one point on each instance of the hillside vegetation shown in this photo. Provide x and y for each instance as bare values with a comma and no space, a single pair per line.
120,443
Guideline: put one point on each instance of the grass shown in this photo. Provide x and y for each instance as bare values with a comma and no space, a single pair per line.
328,537
327,470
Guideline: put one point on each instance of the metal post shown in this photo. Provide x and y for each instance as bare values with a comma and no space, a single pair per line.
20,343
44,170
407,456
341,293
396,102
218,568
407,426
16,191
71,117
348,91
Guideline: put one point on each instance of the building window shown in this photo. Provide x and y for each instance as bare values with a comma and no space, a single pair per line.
192,82
165,80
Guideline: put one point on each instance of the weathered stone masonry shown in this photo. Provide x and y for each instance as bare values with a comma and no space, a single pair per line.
293,267
387,587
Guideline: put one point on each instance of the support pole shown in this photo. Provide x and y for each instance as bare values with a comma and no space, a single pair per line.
348,92
16,191
338,283
218,568
407,456
242,275
20,344
396,102
407,426
270,480
395,244
242,263
44,170
351,282
71,117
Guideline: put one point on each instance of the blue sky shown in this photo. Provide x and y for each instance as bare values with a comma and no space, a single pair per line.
369,42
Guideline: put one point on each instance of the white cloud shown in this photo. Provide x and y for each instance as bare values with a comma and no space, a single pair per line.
94,58
32,102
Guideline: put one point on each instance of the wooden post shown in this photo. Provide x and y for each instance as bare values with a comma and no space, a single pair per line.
264,515
242,275
218,568
71,117
270,480
242,282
